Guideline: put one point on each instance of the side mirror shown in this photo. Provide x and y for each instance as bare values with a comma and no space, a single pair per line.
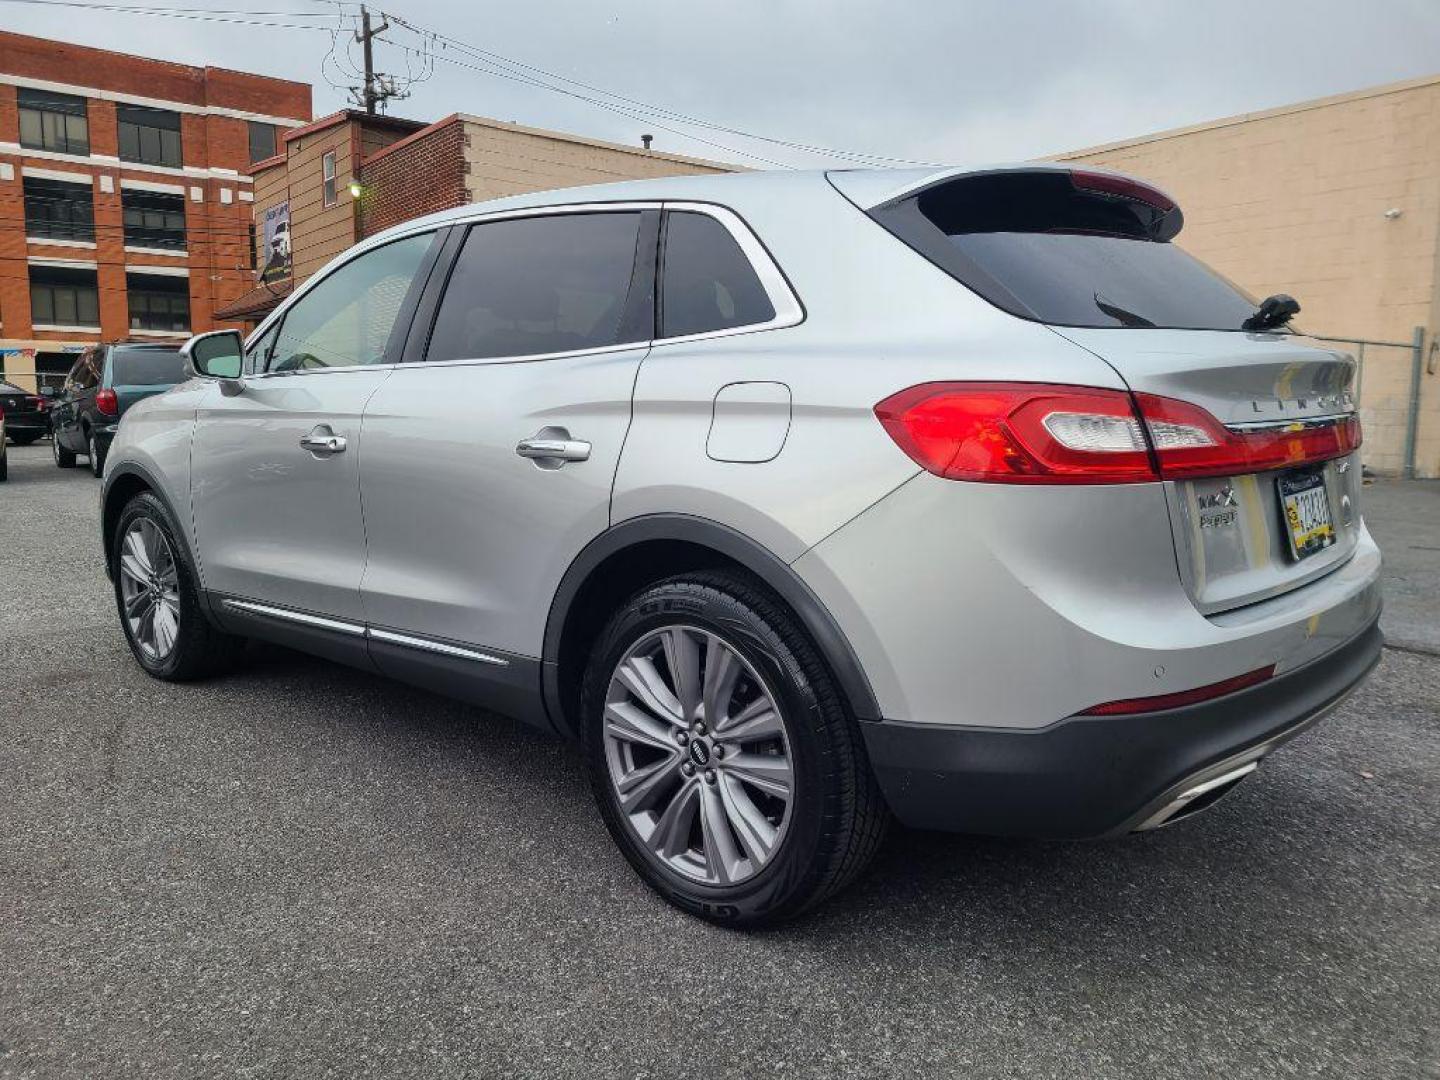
217,355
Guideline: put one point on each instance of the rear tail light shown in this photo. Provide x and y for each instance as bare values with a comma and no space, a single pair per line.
38,403
1039,433
107,402
1182,697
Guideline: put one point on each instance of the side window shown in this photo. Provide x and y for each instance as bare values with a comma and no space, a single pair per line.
348,319
706,282
86,373
526,286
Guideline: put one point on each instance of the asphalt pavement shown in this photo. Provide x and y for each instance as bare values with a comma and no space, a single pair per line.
303,871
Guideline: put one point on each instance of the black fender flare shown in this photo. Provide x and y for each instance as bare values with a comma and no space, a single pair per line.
817,620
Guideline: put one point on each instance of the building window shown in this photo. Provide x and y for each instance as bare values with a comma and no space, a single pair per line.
327,174
262,141
153,219
60,296
57,210
149,136
53,122
158,303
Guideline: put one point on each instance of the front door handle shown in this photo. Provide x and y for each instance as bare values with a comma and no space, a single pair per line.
553,447
323,441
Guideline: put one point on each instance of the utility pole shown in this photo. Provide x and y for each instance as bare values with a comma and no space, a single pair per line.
373,91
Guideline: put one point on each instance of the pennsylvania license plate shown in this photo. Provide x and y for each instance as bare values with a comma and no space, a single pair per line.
1307,513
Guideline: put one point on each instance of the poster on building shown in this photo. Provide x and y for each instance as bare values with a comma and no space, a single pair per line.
276,253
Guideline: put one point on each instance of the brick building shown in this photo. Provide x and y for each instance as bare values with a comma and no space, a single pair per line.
1337,202
124,202
350,175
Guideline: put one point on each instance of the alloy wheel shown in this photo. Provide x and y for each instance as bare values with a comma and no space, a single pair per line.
150,589
698,756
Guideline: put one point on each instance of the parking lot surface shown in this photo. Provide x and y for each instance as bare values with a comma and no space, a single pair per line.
303,871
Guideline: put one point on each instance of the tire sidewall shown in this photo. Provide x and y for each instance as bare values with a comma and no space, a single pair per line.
148,506
786,878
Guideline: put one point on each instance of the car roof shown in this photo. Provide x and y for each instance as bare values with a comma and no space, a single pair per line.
865,187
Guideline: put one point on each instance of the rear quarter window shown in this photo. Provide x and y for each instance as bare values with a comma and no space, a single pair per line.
707,283
146,367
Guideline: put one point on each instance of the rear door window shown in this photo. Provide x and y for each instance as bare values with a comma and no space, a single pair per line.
536,285
1039,247
147,367
707,283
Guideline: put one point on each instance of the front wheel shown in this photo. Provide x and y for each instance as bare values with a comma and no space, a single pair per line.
157,599
724,762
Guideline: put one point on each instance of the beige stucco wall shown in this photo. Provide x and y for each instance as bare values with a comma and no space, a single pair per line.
508,159
1293,200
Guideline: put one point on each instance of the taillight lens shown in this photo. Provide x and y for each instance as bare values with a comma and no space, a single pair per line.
1041,433
1020,433
37,403
1211,449
107,403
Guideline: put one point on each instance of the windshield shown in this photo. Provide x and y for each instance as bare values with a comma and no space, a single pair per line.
1042,247
147,367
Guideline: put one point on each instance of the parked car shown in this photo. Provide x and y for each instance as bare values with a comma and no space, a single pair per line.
799,499
104,382
29,414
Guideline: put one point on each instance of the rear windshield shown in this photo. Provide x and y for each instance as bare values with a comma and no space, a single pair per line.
146,367
1034,245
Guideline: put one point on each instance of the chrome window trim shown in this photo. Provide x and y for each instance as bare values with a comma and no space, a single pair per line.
788,309
430,645
305,619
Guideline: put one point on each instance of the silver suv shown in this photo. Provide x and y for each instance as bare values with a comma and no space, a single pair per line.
801,499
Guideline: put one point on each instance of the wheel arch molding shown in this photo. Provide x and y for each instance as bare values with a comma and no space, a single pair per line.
639,551
125,481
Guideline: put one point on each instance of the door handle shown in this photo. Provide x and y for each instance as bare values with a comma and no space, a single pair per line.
553,447
323,441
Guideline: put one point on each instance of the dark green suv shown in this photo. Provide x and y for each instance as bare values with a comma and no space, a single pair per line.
105,381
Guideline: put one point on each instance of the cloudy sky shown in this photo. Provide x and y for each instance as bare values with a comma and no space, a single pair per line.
932,80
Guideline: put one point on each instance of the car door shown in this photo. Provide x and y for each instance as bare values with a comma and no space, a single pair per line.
275,458
79,387
488,463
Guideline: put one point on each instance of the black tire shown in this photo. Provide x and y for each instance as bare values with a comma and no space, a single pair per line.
4,463
65,459
97,456
838,818
23,440
199,648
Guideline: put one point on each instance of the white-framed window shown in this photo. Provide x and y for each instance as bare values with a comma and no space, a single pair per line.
327,173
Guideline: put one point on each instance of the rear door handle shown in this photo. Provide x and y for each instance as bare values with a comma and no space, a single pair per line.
553,447
323,441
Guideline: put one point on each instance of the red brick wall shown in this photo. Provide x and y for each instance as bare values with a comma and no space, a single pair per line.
121,73
417,175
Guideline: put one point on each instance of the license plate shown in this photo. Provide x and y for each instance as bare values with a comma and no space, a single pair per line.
1306,506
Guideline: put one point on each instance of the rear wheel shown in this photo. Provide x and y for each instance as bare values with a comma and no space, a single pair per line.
63,458
723,759
4,462
157,599
97,455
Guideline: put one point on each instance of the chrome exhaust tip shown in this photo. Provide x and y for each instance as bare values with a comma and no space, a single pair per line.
1198,796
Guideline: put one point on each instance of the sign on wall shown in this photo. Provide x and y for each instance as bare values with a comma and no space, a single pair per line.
276,253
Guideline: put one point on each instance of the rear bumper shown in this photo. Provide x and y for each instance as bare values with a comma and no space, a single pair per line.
1087,776
26,426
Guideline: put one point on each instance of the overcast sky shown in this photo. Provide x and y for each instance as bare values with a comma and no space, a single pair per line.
934,80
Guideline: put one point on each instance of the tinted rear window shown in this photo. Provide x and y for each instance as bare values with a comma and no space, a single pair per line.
707,283
146,367
1032,244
